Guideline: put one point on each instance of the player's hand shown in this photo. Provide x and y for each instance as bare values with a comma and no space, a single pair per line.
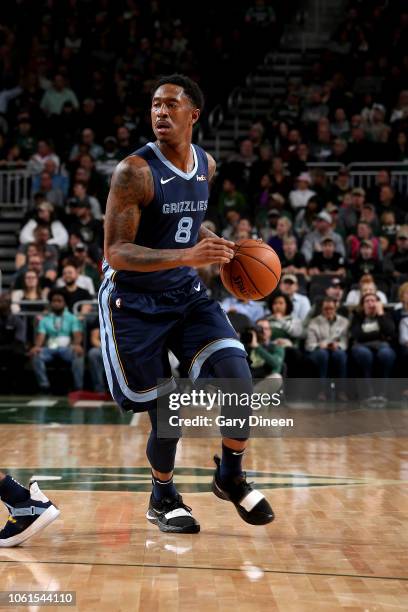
209,251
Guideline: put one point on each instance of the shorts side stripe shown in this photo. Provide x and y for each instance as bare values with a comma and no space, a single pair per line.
208,350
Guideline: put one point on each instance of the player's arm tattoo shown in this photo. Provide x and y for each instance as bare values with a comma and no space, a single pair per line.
212,166
132,189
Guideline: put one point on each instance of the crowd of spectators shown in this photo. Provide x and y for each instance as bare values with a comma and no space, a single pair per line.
342,304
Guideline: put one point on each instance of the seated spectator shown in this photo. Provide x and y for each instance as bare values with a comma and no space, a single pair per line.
376,128
43,154
323,229
24,137
305,218
31,291
322,149
280,181
350,209
86,267
299,197
52,194
292,261
268,229
251,309
56,96
71,289
12,346
59,181
266,356
340,186
48,252
365,263
230,198
314,109
334,291
327,261
124,142
283,230
340,127
326,342
80,197
372,332
400,111
261,198
95,358
299,303
389,201
88,139
382,179
44,215
400,148
287,329
364,232
31,298
397,263
82,223
389,229
47,272
366,284
368,215
232,219
320,185
59,336
109,159
243,230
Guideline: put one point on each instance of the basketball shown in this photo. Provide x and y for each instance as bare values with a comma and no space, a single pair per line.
254,272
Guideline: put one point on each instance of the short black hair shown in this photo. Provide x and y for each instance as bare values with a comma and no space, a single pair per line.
275,296
191,88
55,292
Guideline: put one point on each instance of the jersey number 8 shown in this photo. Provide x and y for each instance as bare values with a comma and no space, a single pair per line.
183,233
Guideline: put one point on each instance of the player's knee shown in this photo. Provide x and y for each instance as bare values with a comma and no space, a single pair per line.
232,367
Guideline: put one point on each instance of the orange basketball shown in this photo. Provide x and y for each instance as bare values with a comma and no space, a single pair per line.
254,271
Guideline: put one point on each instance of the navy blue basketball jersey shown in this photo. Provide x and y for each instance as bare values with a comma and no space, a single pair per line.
171,220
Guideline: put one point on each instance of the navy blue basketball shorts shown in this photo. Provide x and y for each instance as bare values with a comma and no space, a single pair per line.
138,330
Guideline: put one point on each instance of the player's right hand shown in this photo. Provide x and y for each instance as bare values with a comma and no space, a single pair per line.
210,251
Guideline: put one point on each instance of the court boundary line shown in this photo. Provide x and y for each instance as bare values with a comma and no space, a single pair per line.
206,568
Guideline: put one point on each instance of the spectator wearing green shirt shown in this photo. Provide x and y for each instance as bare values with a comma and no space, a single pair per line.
54,98
230,198
59,335
266,357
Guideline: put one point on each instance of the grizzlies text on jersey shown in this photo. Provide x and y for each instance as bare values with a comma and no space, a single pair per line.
172,219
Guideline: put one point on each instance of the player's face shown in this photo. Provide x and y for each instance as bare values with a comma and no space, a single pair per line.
173,115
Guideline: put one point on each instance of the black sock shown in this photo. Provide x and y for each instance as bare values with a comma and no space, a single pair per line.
163,488
231,463
12,492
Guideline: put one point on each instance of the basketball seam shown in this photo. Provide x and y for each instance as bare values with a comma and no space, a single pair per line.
249,278
263,263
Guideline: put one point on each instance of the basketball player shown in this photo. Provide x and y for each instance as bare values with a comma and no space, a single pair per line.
152,298
30,511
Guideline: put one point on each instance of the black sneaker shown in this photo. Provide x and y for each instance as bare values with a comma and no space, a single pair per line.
28,518
171,515
251,505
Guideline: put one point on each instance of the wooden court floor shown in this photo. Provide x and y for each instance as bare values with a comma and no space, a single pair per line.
339,541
